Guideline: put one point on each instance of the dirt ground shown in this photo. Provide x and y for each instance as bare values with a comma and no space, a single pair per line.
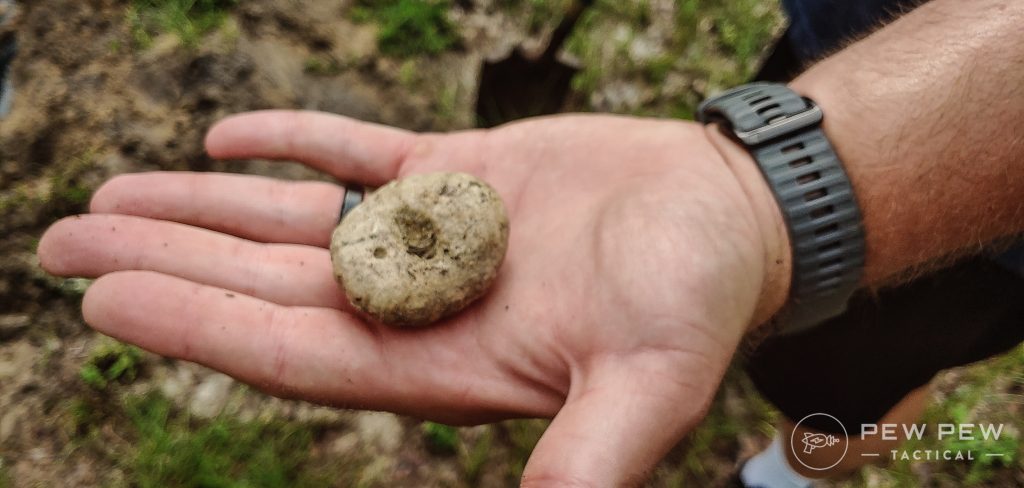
91,103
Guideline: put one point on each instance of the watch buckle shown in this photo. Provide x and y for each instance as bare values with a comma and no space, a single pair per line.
782,125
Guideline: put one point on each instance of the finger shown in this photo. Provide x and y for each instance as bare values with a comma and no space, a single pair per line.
322,355
616,428
283,350
253,207
348,149
94,245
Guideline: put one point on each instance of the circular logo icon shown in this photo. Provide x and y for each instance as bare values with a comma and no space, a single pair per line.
820,450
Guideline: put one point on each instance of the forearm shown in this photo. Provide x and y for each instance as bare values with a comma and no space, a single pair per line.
926,115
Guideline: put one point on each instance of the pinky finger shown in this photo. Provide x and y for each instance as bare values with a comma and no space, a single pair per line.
286,351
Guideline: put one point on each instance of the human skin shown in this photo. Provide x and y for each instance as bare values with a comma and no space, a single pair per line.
585,322
640,253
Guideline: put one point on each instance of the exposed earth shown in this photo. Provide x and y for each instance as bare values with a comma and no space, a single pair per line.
103,89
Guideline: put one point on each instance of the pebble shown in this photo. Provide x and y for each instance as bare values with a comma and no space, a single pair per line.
211,396
421,248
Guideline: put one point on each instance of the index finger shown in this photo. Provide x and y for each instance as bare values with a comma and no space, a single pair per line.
348,149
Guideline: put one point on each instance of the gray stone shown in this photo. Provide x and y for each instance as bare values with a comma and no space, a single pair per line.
382,430
211,396
421,248
16,363
10,420
175,382
13,325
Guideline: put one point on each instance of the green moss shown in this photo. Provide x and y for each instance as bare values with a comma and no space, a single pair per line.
408,73
973,402
745,28
657,70
715,44
322,66
410,28
111,361
447,101
62,191
636,12
188,19
522,437
474,459
440,439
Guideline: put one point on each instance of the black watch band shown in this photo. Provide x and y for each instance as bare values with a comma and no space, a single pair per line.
782,130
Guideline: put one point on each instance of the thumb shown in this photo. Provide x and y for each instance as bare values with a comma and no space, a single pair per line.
619,423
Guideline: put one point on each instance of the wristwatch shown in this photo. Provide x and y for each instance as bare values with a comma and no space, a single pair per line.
782,131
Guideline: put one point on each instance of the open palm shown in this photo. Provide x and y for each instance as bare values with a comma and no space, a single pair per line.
634,266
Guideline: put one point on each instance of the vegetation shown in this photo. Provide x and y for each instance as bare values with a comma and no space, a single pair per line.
322,66
716,43
188,19
440,439
522,436
475,457
111,361
972,402
63,190
157,446
410,27
170,451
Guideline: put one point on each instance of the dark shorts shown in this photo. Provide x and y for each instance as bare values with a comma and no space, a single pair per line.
859,365
856,367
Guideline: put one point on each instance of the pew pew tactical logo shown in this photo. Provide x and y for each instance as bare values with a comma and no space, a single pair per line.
820,451
824,449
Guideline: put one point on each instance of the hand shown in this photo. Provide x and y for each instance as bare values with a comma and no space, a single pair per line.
636,261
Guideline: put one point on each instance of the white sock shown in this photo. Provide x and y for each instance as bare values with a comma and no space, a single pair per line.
769,469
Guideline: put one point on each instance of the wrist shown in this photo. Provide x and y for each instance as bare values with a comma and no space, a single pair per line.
769,220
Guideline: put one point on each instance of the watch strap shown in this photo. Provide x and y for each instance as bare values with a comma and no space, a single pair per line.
782,132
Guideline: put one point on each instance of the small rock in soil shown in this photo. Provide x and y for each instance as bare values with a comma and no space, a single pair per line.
211,396
14,325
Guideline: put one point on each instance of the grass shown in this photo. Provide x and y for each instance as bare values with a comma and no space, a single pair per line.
158,446
522,437
223,453
474,458
972,401
716,44
63,190
188,19
440,439
111,361
322,66
409,28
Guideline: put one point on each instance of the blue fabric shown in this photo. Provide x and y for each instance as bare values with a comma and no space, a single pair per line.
818,27
7,50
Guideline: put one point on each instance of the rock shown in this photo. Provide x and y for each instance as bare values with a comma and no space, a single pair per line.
13,325
421,248
16,363
11,420
174,383
211,395
380,429
345,444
